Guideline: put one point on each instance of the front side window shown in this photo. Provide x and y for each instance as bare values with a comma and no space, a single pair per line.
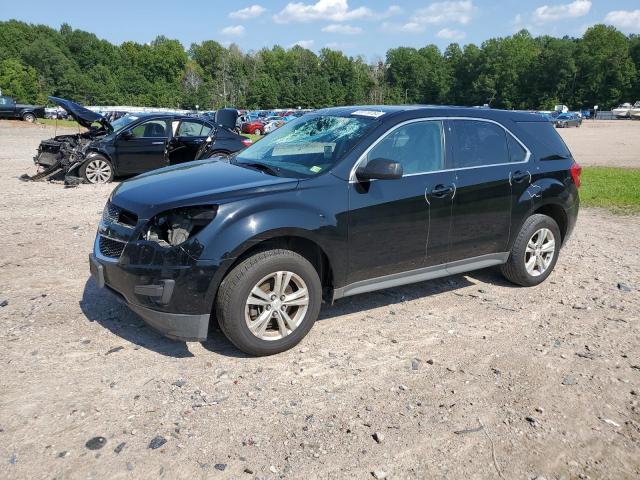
477,143
307,146
151,129
417,146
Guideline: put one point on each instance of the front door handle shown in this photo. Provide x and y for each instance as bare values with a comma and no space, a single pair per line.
519,176
441,191
158,143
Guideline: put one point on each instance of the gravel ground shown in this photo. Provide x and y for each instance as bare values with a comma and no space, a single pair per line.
463,377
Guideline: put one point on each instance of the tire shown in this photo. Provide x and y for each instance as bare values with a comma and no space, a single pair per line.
257,131
516,269
234,312
29,117
97,169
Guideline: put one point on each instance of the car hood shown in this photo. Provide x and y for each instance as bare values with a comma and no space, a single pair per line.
191,183
83,116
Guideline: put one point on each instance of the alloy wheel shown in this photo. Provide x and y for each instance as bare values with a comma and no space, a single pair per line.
277,305
539,252
98,171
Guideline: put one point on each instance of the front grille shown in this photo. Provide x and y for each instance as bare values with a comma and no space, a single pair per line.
111,248
113,214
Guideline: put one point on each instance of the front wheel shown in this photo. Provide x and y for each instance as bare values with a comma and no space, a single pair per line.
269,302
97,170
257,131
534,253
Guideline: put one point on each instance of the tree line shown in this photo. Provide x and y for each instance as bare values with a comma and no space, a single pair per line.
519,71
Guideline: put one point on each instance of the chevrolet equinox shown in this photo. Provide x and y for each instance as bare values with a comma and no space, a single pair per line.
339,202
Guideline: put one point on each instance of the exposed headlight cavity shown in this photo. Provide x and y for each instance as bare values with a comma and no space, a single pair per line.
176,226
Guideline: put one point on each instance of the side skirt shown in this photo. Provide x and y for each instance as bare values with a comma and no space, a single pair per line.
421,274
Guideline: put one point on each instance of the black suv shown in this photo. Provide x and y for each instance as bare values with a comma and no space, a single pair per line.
339,202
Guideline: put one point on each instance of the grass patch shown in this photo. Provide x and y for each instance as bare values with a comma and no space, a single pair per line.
254,138
61,123
615,188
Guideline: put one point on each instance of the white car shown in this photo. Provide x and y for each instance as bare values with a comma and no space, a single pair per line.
273,125
622,111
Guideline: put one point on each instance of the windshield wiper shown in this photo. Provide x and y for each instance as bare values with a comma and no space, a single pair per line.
259,166
556,156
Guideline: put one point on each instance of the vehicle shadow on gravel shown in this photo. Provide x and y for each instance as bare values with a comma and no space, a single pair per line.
397,295
104,308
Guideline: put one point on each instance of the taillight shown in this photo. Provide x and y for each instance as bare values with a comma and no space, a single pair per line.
247,142
576,170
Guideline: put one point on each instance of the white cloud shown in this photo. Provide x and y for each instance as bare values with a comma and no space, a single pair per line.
233,31
409,27
449,34
342,29
332,10
446,12
552,13
460,12
303,43
253,11
627,20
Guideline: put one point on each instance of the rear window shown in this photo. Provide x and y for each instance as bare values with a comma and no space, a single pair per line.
546,137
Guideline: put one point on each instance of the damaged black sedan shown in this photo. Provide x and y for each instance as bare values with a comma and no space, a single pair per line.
132,144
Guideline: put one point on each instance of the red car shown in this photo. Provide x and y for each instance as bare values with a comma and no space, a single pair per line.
255,127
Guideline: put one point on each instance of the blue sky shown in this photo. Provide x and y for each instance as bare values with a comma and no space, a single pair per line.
354,26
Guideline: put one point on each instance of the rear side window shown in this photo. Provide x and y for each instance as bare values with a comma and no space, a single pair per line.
477,143
546,138
517,153
192,129
416,146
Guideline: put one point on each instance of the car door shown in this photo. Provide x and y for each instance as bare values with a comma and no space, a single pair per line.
189,136
7,107
142,147
481,217
390,220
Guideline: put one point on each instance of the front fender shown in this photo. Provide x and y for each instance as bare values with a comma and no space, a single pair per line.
239,226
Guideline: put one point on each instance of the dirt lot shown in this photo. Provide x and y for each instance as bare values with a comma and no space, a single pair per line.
612,143
465,377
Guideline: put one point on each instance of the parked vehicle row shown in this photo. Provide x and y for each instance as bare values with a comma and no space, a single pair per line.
339,202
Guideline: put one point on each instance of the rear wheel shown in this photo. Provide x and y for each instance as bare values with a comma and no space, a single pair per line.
97,170
269,302
29,117
257,131
534,253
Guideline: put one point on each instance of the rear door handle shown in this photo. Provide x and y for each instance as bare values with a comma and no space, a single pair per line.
157,143
441,191
519,176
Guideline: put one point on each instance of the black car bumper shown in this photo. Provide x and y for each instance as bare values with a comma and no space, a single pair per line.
154,298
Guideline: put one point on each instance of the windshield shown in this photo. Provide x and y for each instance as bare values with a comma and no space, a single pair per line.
307,146
122,122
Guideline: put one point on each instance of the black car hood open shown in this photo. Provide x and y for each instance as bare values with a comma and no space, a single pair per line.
83,116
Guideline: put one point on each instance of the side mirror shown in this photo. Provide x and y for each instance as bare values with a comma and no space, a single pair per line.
380,169
126,135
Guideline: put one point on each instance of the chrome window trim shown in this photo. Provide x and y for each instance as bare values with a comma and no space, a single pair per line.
362,158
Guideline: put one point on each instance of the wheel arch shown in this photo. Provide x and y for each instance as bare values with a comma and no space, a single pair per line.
557,213
296,240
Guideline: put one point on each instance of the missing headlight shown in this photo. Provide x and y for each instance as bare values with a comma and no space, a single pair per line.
176,226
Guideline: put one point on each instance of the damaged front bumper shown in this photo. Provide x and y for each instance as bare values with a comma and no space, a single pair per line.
171,297
60,158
